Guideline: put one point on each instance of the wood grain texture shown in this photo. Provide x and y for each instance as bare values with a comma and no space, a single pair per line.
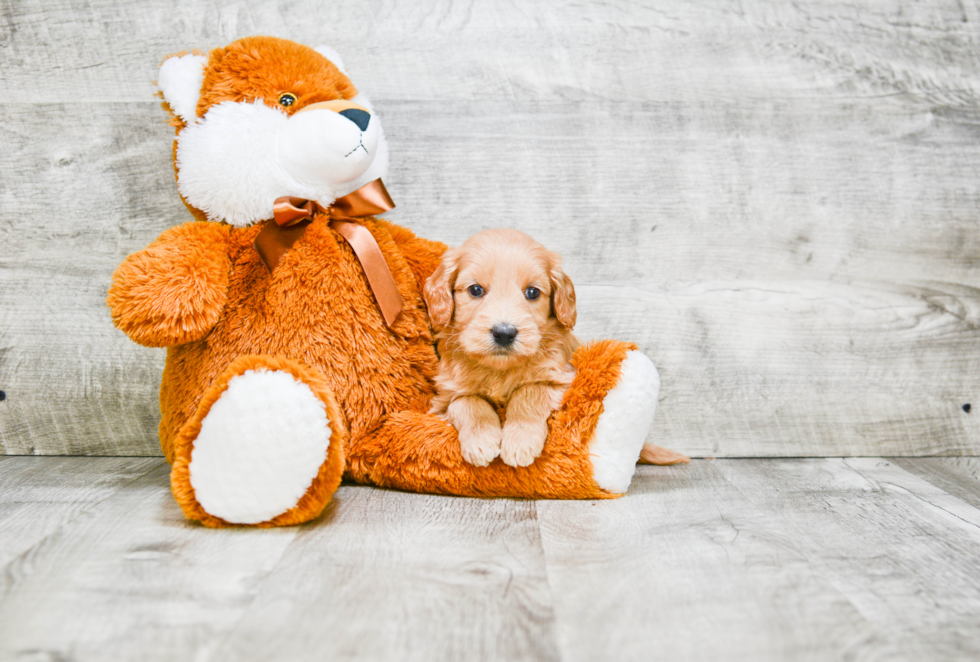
133,579
773,559
777,202
76,200
781,560
561,49
41,494
959,476
388,575
900,549
685,567
803,368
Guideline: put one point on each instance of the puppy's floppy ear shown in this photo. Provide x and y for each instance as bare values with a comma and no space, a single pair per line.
438,290
562,292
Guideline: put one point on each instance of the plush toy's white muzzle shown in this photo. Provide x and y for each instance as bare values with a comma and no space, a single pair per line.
328,142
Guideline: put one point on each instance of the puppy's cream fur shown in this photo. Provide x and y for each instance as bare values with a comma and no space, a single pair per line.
477,375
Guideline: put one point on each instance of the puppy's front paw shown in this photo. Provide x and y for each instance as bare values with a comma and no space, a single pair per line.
480,445
523,441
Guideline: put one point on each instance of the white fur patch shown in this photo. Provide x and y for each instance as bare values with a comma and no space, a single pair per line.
627,415
180,82
228,164
321,145
260,447
379,166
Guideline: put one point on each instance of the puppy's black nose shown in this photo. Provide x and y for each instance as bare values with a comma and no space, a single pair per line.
504,334
357,116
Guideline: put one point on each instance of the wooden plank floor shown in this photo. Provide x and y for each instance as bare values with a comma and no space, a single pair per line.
779,559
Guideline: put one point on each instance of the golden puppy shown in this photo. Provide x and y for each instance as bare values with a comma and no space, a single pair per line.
504,311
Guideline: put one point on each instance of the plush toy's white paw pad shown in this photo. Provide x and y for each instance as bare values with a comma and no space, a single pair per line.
260,447
627,414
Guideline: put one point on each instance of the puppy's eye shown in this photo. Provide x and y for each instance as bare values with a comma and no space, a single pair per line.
288,99
475,291
532,293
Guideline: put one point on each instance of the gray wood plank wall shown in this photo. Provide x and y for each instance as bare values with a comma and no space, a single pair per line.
778,203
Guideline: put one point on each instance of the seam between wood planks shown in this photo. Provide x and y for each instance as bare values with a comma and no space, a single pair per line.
818,564
556,643
904,480
878,475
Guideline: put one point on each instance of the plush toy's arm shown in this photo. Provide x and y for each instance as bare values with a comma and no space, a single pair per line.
422,255
174,290
593,442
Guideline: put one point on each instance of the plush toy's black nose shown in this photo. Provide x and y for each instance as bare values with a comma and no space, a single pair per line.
358,117
503,334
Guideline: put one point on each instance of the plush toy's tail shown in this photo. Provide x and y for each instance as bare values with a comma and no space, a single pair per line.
664,456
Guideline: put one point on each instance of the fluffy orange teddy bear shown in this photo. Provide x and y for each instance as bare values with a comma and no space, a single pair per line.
299,347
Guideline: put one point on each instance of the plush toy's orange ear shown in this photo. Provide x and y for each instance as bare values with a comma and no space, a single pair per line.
438,290
562,292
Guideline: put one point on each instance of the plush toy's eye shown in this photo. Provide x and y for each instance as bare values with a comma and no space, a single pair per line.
532,293
475,291
288,99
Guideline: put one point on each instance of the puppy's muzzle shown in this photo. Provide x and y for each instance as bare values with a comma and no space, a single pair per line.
503,334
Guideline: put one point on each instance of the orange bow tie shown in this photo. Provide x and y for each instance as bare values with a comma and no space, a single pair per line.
292,216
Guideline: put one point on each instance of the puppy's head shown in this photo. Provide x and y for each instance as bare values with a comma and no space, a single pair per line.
501,296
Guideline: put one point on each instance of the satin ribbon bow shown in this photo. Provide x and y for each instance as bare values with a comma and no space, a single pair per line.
292,216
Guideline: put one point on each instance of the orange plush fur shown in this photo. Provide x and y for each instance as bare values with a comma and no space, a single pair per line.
372,370
504,311
420,452
202,291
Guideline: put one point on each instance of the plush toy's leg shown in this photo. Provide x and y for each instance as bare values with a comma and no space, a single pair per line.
593,444
265,447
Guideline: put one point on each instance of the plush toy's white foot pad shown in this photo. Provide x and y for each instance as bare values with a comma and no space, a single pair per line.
260,447
627,414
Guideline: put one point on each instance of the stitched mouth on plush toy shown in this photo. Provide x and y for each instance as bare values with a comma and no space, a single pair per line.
360,145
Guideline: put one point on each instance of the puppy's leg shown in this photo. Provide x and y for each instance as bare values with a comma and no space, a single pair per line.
479,429
526,427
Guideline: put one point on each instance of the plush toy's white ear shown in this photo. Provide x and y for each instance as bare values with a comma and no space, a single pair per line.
333,56
180,81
